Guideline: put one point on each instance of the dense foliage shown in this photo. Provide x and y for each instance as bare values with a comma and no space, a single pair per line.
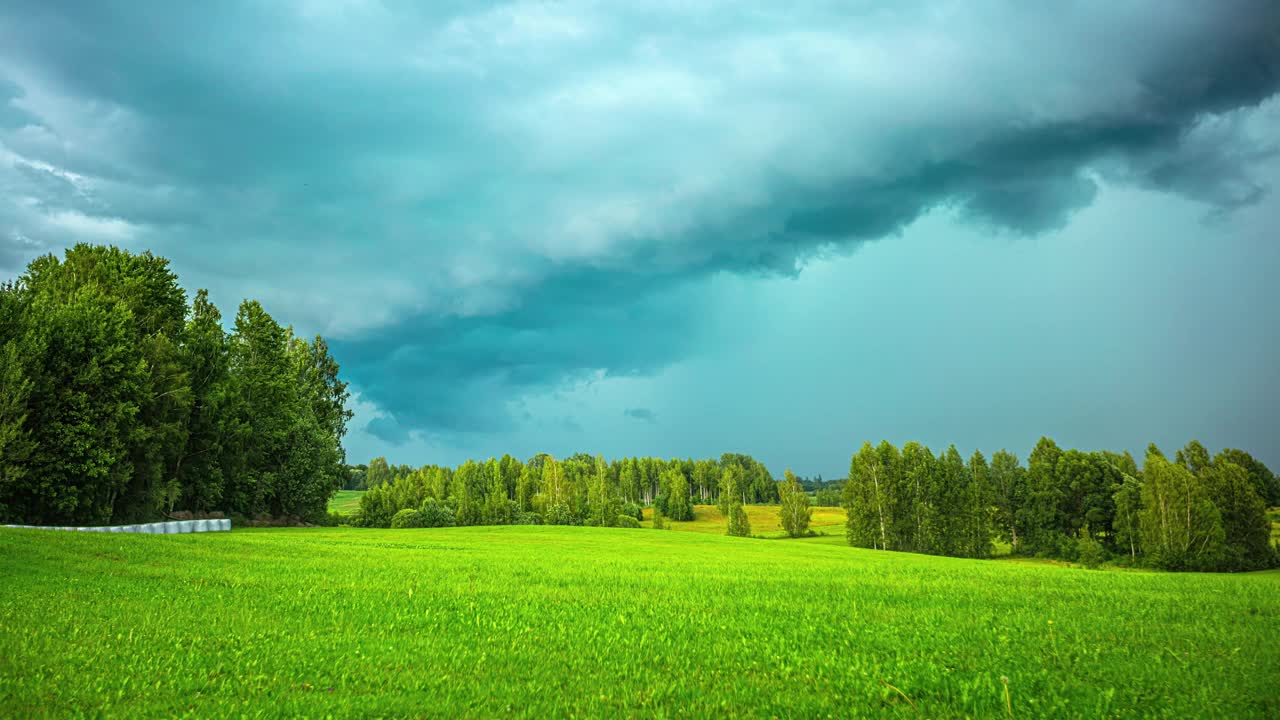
120,402
1196,513
578,490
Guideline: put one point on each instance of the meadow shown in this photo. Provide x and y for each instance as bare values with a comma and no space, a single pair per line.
764,521
535,621
826,521
345,501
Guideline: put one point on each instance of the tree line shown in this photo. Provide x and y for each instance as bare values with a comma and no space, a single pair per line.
1194,513
120,401
578,490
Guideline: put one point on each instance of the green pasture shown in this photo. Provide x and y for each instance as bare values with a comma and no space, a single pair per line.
588,622
345,501
764,520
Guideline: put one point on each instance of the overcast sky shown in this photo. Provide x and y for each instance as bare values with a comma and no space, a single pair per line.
685,228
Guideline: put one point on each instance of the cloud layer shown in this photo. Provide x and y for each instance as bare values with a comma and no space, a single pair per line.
480,203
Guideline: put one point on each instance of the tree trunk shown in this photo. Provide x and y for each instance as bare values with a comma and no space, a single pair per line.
875,478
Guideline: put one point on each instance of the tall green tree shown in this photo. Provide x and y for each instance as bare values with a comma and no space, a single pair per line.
497,509
1246,528
731,479
87,381
1128,504
891,482
465,495
604,502
379,473
261,409
1264,482
677,487
794,512
509,469
730,505
1087,483
912,515
323,390
199,465
1042,517
867,500
629,479
527,485
948,498
705,474
978,517
1181,528
556,489
155,308
1193,457
15,391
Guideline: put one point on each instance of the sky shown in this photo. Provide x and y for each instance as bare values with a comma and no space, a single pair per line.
688,228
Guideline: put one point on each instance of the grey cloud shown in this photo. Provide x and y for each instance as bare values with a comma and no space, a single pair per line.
481,202
640,413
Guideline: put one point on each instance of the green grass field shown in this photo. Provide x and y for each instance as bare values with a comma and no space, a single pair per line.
588,622
763,518
707,518
345,501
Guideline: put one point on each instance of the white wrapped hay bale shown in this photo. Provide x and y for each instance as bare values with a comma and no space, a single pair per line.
172,527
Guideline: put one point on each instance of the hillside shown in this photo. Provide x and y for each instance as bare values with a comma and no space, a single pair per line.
554,621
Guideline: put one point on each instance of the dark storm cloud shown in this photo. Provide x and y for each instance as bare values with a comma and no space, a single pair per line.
641,413
463,374
479,203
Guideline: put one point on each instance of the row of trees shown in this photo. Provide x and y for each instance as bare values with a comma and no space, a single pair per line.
120,401
581,489
1195,513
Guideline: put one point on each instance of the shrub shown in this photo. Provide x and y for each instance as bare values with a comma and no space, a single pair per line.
433,514
659,523
660,502
407,518
527,518
626,521
559,514
1089,552
633,510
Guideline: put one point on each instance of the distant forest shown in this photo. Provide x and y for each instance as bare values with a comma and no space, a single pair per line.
122,402
1195,513
579,490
